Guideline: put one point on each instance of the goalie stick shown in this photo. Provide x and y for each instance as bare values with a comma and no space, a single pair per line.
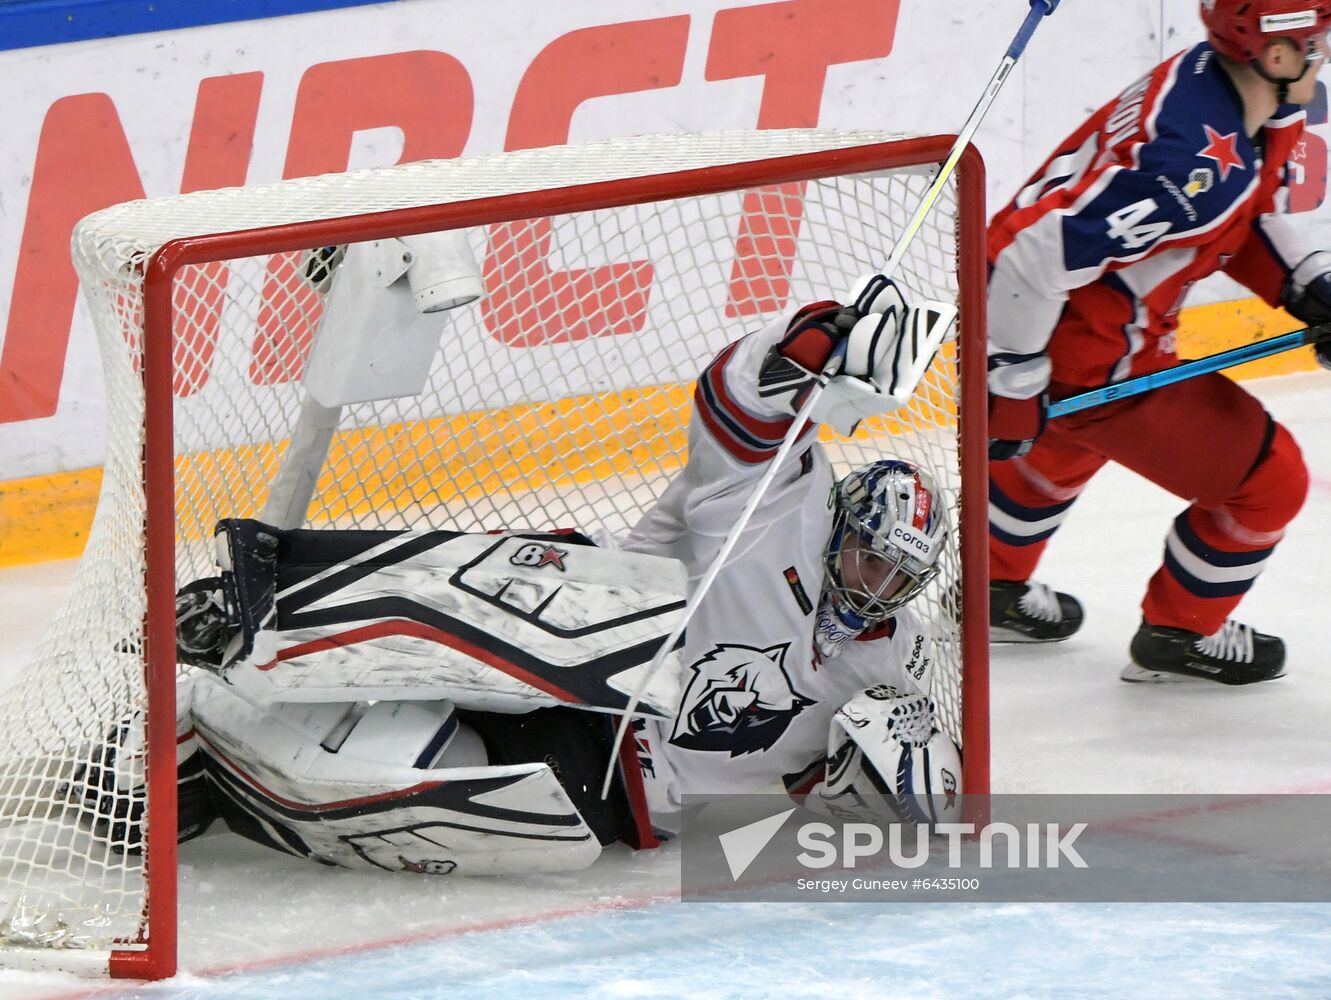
902,387
1186,370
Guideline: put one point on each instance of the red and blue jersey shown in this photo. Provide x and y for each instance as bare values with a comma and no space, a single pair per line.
1160,188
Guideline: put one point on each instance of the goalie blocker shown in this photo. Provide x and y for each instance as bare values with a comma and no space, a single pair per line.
457,779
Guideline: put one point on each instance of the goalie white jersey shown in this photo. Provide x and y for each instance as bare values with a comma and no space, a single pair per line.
757,699
531,637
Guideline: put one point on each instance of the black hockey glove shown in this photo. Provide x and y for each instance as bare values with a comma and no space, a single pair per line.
201,630
1307,297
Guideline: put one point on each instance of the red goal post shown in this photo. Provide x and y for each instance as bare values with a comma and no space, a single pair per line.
800,214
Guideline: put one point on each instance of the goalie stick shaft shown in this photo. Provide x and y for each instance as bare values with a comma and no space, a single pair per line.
705,584
1189,369
1039,10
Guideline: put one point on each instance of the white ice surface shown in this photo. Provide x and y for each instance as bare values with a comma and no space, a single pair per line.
256,924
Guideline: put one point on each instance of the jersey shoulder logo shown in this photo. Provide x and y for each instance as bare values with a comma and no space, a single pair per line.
739,699
1224,150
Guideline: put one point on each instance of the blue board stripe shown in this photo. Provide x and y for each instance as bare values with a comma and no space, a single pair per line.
26,23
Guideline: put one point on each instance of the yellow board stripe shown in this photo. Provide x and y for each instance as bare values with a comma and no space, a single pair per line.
468,456
48,517
1211,329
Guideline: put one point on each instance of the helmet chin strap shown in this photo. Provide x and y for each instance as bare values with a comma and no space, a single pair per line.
1283,83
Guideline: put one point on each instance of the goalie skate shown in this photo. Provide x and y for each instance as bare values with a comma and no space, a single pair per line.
1237,654
1025,611
201,628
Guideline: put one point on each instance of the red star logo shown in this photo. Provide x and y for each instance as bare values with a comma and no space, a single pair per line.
1301,150
1224,150
552,557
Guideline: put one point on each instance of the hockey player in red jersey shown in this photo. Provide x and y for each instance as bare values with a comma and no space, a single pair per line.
1183,175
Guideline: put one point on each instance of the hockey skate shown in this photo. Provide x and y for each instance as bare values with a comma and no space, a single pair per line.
201,629
1025,611
1237,654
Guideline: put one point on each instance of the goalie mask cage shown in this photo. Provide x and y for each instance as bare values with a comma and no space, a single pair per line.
612,273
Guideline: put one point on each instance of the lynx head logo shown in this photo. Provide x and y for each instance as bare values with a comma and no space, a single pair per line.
739,699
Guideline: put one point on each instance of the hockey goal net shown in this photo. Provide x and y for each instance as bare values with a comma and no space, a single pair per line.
610,274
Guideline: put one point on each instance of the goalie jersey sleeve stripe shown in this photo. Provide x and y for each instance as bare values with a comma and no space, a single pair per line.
743,433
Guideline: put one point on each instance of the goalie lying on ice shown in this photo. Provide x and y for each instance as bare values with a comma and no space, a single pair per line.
437,702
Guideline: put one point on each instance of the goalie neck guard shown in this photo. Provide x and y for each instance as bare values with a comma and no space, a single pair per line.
888,531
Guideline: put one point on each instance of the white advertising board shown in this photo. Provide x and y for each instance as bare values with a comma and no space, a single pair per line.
91,123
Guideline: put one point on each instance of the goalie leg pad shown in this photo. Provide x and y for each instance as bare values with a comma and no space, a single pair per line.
508,622
887,758
392,786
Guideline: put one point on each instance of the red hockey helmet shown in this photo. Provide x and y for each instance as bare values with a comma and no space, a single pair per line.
1240,29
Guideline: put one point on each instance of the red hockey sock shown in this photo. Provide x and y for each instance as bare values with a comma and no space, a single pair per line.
1213,556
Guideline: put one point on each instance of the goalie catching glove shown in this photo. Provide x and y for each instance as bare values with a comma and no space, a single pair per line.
873,352
887,760
1307,297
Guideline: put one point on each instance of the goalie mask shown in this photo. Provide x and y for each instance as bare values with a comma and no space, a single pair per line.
888,532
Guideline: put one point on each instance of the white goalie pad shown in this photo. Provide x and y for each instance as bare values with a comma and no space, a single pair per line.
886,757
500,623
374,787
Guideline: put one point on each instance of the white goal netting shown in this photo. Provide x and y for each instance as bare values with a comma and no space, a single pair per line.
560,398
